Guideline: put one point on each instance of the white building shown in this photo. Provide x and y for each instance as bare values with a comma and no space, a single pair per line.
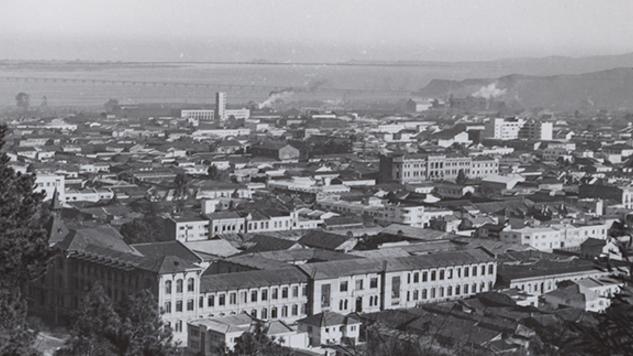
202,114
220,106
88,195
188,228
547,238
370,285
503,129
49,184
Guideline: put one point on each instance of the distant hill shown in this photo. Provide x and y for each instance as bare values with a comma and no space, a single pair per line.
542,66
612,88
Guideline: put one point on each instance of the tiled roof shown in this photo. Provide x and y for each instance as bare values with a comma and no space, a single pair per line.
335,269
250,279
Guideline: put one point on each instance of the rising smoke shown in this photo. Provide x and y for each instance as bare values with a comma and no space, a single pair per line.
490,91
278,96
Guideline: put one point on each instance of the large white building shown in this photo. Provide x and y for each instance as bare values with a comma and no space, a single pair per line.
547,238
371,285
201,114
503,129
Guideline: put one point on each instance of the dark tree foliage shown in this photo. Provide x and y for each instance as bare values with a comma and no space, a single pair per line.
212,172
612,335
134,327
461,177
24,252
23,100
257,343
145,229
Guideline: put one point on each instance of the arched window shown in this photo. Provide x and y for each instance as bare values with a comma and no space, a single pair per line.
491,268
449,291
474,288
264,313
179,286
482,287
190,285
254,313
167,287
273,313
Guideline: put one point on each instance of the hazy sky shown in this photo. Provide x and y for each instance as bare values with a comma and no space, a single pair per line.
305,30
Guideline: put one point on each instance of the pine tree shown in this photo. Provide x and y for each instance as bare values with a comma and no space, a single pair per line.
133,327
24,252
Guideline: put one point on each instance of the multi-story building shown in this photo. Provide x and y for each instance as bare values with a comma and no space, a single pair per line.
415,168
199,114
537,130
220,106
188,228
547,238
264,294
503,129
370,285
483,166
185,291
238,114
541,275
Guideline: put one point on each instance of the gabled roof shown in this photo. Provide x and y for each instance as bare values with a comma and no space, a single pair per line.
329,318
172,248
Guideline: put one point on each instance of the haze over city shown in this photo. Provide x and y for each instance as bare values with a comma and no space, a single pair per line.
311,31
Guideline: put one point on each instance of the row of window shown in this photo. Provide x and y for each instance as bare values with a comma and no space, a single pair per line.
191,283
253,296
450,273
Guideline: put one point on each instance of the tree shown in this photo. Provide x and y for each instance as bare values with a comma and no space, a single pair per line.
112,106
133,327
213,172
461,177
24,251
146,229
257,343
23,101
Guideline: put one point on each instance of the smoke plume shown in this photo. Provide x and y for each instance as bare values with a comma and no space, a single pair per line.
278,96
490,91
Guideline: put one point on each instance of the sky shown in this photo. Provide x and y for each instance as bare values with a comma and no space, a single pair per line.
312,30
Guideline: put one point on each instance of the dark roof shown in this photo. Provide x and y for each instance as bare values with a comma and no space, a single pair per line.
334,269
322,239
167,248
544,267
311,255
250,279
261,243
329,318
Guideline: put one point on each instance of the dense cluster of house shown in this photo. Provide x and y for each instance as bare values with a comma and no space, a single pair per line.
316,225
